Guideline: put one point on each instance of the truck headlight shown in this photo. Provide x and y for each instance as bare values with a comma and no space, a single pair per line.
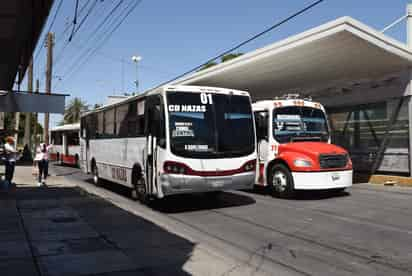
302,163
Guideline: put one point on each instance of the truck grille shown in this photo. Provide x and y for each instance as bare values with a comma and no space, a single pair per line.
332,161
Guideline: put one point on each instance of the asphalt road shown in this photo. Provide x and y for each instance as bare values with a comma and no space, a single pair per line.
365,231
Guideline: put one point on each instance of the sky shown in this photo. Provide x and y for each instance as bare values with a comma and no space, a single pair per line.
175,36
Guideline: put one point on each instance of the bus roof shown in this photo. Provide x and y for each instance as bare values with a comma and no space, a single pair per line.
269,104
67,127
181,88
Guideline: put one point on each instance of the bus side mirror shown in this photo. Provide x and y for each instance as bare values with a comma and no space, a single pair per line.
161,142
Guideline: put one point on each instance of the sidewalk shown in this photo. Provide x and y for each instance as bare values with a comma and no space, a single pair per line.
61,230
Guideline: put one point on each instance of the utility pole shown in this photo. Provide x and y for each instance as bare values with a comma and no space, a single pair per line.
136,60
35,130
27,124
123,92
50,44
16,127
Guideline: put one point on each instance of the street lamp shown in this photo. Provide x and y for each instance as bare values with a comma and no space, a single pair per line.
136,60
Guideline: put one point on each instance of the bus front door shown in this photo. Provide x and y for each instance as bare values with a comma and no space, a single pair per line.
154,129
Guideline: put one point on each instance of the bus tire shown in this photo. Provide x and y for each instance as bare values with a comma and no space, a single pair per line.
338,191
139,191
95,173
214,195
76,161
280,181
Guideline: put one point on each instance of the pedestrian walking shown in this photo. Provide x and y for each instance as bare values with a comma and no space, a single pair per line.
10,157
42,158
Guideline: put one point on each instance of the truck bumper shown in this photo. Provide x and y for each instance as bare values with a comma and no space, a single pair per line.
322,180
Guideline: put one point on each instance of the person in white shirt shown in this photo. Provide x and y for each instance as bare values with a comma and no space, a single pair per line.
10,159
42,158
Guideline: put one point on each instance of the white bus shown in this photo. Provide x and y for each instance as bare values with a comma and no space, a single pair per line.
172,140
65,141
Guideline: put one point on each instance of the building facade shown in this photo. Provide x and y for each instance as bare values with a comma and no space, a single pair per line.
360,75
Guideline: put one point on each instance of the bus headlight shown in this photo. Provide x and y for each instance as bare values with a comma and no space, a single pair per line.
249,166
302,163
174,168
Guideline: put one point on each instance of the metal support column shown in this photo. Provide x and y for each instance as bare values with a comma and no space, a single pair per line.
386,136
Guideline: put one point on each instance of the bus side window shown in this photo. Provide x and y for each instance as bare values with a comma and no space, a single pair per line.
261,121
155,121
158,126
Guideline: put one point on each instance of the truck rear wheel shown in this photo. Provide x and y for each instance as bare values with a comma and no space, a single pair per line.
280,181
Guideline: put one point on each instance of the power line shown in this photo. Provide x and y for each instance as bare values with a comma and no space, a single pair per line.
94,33
74,20
66,29
86,55
129,9
81,10
123,61
86,16
276,25
50,26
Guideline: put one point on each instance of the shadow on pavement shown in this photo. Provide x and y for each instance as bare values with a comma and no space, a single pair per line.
185,202
198,202
69,232
302,195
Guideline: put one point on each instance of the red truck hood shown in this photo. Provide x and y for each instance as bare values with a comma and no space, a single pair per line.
312,148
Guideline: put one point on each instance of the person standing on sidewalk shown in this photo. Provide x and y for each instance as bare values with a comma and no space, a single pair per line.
10,160
42,158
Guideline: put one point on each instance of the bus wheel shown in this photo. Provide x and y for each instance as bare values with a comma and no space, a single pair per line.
139,192
213,195
95,172
76,161
280,181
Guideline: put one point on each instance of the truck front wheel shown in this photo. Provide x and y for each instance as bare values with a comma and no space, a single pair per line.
280,181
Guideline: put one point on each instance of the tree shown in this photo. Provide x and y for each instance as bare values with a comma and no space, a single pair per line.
96,106
9,121
208,65
73,111
230,56
222,59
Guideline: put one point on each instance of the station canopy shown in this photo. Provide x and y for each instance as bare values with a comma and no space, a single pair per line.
342,50
21,25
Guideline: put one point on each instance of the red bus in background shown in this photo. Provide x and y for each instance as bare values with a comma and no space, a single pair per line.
66,144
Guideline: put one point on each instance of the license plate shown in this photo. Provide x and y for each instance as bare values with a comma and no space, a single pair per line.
335,177
218,183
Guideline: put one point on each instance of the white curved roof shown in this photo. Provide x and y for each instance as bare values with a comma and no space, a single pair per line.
67,127
344,49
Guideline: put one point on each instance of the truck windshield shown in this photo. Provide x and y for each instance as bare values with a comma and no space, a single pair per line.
299,123
204,125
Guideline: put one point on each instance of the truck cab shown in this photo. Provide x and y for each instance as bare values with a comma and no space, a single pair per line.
295,150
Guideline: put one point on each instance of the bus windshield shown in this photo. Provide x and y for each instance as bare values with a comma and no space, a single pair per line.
299,123
204,125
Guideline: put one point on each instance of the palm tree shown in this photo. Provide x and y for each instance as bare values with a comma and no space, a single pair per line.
73,111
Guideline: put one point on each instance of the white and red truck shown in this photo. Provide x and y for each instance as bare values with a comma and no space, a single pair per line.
295,150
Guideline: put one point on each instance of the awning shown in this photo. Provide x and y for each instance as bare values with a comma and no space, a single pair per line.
28,102
338,51
21,22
